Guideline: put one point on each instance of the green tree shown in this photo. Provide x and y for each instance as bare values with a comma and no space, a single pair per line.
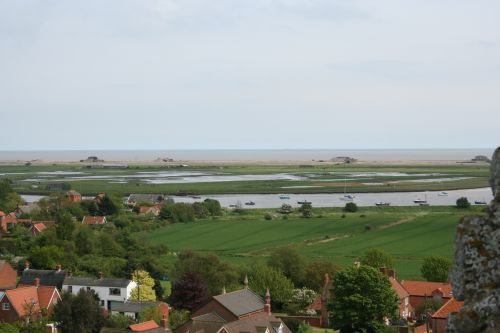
106,206
300,299
8,198
144,290
64,226
215,273
290,262
304,328
178,317
84,241
159,290
46,257
306,210
377,258
361,298
118,321
213,206
314,274
150,313
436,268
177,212
285,209
79,314
463,202
261,277
350,207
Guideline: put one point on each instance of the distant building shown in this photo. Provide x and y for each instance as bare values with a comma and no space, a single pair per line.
419,291
439,320
46,277
7,221
94,220
37,227
27,302
8,276
235,312
112,292
405,308
73,196
132,309
134,199
149,210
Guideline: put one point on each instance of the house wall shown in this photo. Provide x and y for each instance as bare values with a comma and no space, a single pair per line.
7,316
103,293
438,325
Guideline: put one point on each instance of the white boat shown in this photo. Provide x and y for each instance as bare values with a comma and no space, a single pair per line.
347,197
382,204
284,196
443,194
420,201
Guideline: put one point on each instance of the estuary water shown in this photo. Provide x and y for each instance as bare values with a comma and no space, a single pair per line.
337,199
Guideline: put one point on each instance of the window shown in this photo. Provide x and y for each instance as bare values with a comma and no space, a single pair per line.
115,291
6,306
70,289
102,303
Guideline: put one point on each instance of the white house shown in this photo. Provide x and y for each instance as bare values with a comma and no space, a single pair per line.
111,291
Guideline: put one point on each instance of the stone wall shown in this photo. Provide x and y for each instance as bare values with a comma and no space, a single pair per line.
476,273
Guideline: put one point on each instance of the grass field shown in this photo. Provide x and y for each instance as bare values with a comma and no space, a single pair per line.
326,178
408,233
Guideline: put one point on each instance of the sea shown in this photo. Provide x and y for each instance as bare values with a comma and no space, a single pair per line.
248,155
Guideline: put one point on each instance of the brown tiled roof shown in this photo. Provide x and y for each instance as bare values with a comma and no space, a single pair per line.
142,327
424,288
93,220
39,226
241,302
2,213
398,288
20,297
316,305
258,323
449,307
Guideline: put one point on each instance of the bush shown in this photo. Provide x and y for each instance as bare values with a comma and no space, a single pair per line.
342,216
463,203
268,217
350,207
368,227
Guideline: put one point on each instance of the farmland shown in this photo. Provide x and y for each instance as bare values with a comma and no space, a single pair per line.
234,179
408,233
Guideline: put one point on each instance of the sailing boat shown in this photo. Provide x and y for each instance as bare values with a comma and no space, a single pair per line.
346,197
421,202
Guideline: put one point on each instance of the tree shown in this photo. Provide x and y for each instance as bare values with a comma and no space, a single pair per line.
377,258
436,268
144,290
150,313
177,212
84,241
361,298
47,257
285,209
189,292
178,317
64,226
350,207
213,206
304,328
463,202
215,273
106,206
159,290
8,198
314,274
261,277
306,210
290,262
79,314
118,321
300,300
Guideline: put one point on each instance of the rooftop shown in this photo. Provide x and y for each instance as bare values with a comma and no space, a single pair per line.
96,282
241,302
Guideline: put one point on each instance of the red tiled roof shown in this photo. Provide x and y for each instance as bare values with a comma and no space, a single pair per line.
424,288
47,223
398,288
316,304
93,219
449,307
2,213
45,295
19,298
141,327
8,276
39,226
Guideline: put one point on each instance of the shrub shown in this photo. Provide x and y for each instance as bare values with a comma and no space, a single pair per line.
350,207
268,217
463,203
342,216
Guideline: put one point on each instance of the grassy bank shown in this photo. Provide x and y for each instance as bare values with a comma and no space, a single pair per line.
408,233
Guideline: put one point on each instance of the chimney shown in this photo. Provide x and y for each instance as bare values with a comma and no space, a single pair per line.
245,282
58,267
383,270
164,322
267,306
357,264
391,273
223,290
101,275
36,283
26,265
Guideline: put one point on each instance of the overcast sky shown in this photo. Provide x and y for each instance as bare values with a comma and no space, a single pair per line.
215,74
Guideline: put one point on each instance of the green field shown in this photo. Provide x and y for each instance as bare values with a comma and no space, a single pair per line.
408,233
322,178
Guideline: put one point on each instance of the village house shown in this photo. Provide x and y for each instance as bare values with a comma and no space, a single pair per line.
235,312
134,199
405,309
439,320
7,221
419,291
8,276
146,327
149,210
111,291
27,302
37,227
73,196
46,277
94,220
132,309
